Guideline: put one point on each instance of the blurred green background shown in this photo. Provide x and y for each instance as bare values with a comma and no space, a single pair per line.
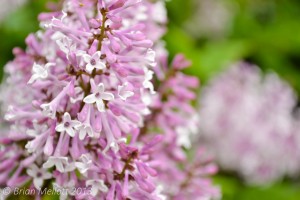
213,34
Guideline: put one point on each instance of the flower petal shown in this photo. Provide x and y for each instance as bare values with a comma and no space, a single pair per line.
97,55
87,58
60,128
38,182
67,117
100,105
100,88
31,172
100,65
47,175
48,164
107,96
33,78
90,99
90,132
82,134
70,131
75,123
126,94
59,166
89,67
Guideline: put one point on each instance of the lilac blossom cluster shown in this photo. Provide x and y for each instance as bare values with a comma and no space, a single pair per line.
250,124
82,107
175,118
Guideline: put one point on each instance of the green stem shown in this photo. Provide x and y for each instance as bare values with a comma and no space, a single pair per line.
102,32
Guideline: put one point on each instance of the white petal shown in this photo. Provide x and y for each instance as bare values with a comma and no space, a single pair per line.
89,67
60,128
80,53
63,16
37,69
31,172
114,146
94,191
48,164
67,117
103,187
126,94
87,58
44,74
100,65
89,182
151,57
33,78
97,55
47,175
48,65
75,123
70,131
34,67
73,47
90,132
79,126
82,134
60,44
38,182
120,88
90,99
107,96
100,88
59,167
100,106
148,74
80,166
149,85
69,167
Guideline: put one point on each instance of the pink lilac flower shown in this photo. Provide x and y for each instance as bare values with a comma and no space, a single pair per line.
99,96
253,114
82,112
174,116
84,165
68,125
39,72
123,92
93,62
39,175
85,53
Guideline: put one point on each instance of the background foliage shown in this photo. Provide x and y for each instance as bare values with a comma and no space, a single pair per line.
266,33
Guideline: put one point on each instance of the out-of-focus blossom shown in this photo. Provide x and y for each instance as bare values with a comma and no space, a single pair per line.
180,177
8,6
247,122
211,18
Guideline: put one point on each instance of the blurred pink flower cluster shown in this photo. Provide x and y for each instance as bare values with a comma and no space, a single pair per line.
174,116
9,6
249,122
92,103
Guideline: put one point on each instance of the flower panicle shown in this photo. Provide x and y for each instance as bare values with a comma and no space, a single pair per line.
83,102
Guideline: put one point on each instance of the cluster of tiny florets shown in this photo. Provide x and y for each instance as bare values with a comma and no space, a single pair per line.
82,106
249,122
